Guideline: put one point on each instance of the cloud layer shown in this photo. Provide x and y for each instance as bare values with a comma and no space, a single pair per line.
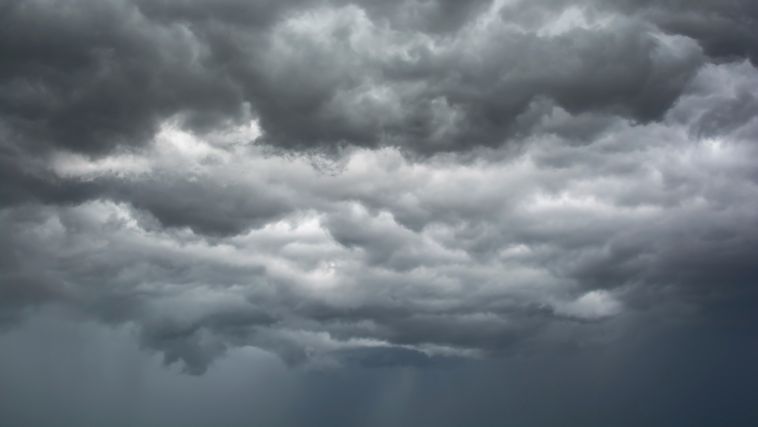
429,77
399,184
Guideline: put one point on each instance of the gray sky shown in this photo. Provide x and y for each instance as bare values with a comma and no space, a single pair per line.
363,213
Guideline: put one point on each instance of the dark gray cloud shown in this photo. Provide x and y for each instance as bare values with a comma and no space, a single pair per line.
491,196
88,76
208,244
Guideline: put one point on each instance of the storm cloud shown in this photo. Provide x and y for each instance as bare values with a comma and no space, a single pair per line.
439,191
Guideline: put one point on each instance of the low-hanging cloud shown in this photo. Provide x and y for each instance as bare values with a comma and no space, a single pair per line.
90,76
352,183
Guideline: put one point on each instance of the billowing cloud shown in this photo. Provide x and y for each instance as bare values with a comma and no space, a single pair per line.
208,242
324,74
363,186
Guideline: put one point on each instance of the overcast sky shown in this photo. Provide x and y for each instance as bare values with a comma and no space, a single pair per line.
378,213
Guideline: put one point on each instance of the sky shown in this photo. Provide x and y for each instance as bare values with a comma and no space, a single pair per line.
290,213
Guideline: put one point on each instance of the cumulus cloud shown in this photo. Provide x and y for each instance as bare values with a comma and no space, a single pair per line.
340,182
425,76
